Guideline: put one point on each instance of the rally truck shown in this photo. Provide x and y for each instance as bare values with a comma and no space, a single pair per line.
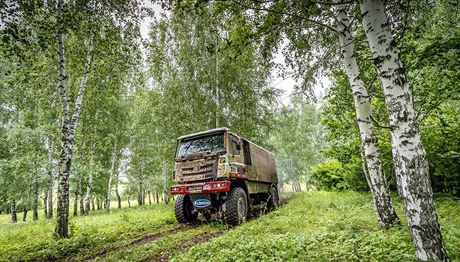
218,172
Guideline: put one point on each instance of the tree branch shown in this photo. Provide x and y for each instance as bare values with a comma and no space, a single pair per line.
287,14
377,124
84,82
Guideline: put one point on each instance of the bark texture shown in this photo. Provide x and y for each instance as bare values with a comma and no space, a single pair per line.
383,205
409,154
69,122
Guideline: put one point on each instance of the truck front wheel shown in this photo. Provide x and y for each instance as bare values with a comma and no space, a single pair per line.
236,207
183,210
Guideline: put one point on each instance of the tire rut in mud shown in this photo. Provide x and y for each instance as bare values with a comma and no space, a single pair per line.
141,240
186,245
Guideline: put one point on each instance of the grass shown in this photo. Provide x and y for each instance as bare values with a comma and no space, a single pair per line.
324,226
314,226
35,241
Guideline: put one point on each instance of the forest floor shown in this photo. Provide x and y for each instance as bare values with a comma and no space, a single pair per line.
313,226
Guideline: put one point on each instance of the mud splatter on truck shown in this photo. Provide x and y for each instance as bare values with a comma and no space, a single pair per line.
219,172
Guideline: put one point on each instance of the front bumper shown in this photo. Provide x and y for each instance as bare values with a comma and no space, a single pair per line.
202,187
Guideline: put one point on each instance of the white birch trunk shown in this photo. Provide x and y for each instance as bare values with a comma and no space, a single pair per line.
69,124
89,188
50,182
408,153
165,183
116,191
383,205
109,186
66,144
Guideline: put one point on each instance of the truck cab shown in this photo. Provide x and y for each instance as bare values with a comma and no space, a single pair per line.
218,171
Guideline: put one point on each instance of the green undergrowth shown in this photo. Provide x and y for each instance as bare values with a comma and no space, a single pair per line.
89,234
324,226
314,226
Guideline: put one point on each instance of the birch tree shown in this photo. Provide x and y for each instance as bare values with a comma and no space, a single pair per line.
69,120
386,214
305,23
409,155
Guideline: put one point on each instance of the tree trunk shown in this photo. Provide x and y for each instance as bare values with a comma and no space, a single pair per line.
50,195
93,206
75,204
81,197
48,203
383,204
117,193
129,202
111,173
45,203
88,193
35,202
150,197
165,183
68,124
408,152
24,214
98,203
217,93
157,197
62,226
139,195
14,216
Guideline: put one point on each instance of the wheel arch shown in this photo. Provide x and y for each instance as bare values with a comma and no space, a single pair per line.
240,183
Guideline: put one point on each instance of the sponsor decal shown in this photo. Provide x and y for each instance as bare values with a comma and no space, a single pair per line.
201,203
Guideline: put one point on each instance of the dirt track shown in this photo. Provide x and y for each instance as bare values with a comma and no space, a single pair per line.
256,212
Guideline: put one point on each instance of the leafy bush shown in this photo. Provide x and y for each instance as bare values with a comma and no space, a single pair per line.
332,174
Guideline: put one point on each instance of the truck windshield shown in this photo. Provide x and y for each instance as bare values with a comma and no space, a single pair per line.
211,144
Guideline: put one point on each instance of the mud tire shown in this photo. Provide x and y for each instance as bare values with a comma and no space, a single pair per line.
236,207
273,199
183,210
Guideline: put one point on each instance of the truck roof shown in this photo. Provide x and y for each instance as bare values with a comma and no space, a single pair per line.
210,131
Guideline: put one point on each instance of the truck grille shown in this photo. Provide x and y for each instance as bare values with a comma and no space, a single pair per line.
196,169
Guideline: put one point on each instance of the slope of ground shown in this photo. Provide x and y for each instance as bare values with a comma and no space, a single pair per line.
324,226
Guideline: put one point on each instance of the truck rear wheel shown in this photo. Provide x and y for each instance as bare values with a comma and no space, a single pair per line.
273,199
236,207
183,210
